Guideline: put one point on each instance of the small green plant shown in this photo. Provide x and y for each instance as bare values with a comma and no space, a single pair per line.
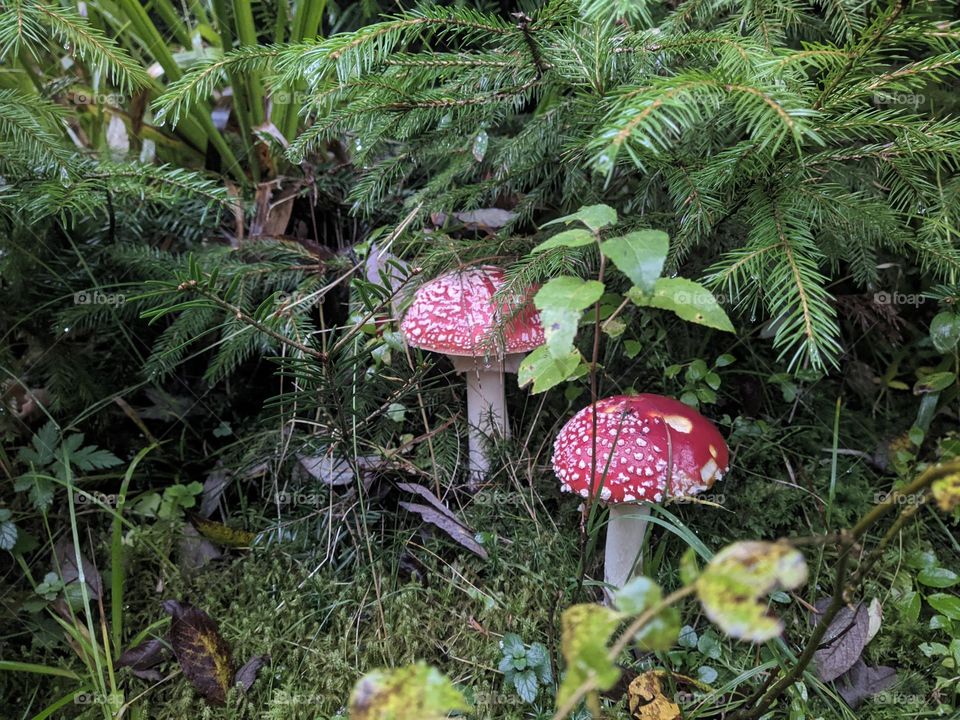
563,301
934,598
93,630
45,458
525,668
700,381
170,503
697,652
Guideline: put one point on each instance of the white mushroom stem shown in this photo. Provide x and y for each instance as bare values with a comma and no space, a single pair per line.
486,411
626,527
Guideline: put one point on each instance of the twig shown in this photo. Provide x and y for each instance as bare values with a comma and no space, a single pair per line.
842,588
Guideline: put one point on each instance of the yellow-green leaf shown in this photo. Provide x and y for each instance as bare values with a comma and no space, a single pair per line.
414,692
946,491
586,629
736,580
222,534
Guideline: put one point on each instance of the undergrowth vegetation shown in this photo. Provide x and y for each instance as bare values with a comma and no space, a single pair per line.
232,487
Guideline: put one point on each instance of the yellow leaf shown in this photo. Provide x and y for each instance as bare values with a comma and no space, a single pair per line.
946,491
646,699
221,534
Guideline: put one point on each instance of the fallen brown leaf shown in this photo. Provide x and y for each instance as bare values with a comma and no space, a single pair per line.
201,651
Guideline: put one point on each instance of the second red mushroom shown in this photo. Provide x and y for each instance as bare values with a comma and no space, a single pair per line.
647,448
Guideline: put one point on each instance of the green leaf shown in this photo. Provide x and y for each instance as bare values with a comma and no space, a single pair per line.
39,489
480,142
586,629
414,692
661,632
72,443
8,533
547,371
637,596
938,577
737,577
639,255
934,382
697,370
709,645
396,412
945,604
920,559
526,684
689,569
909,606
93,458
536,654
570,292
690,300
687,637
539,661
45,443
945,331
568,238
706,674
594,217
561,303
511,644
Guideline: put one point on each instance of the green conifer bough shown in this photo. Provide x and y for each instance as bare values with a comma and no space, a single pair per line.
788,144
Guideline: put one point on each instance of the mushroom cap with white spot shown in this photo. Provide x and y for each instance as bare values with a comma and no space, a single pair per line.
648,447
455,314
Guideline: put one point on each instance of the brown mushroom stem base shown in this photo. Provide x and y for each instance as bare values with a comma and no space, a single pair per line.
624,550
486,412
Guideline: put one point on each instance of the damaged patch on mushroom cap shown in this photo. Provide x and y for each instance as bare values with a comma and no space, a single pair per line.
455,314
638,439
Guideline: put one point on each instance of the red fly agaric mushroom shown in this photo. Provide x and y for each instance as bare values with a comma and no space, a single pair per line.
455,314
648,448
